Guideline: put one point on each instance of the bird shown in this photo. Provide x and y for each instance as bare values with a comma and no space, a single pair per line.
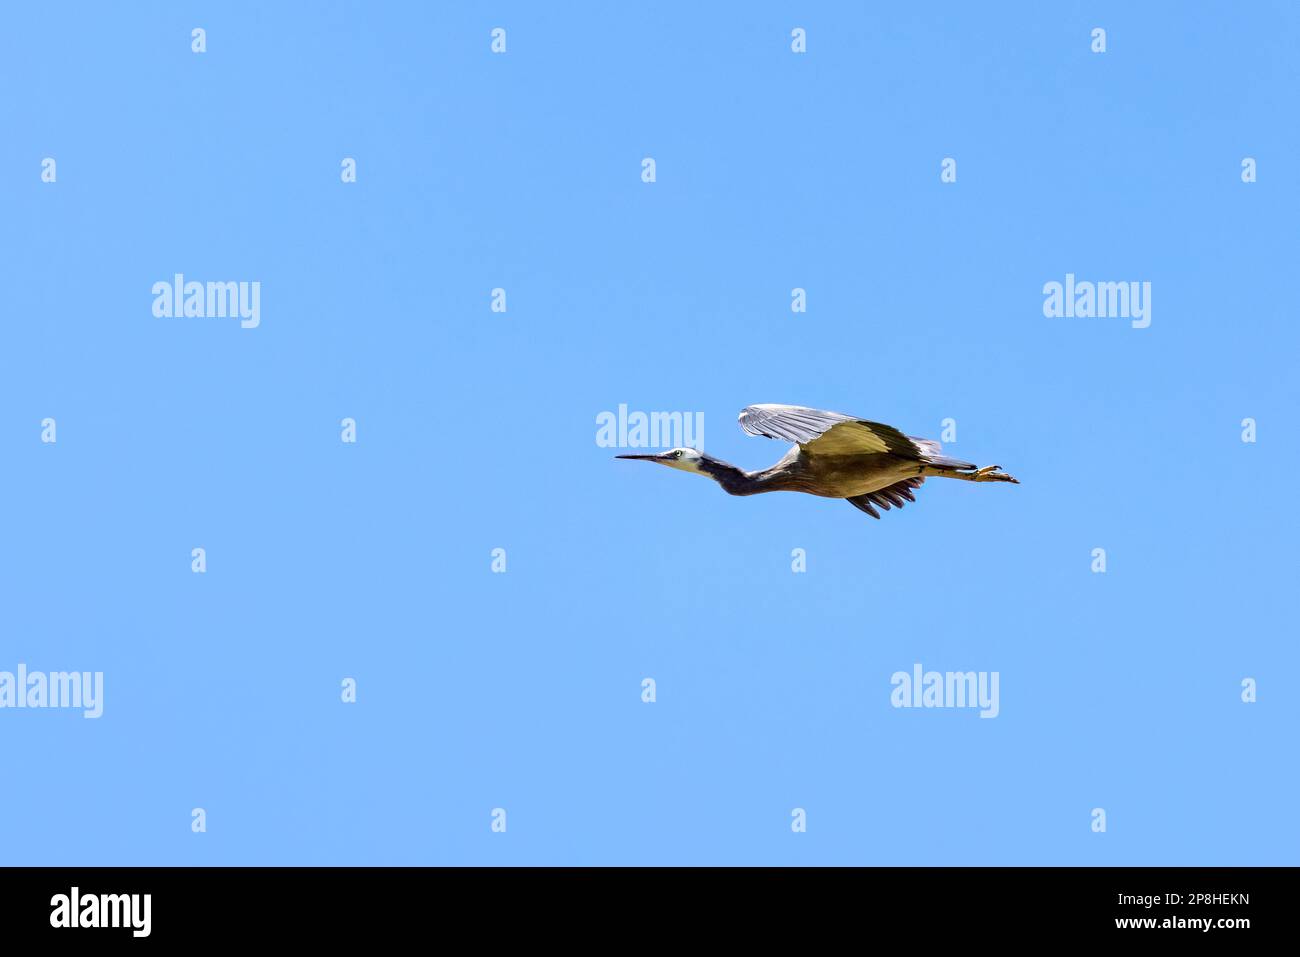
834,455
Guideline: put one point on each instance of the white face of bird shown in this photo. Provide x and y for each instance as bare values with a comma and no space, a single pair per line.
688,460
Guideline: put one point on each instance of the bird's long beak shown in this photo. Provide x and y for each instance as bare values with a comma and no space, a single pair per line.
646,458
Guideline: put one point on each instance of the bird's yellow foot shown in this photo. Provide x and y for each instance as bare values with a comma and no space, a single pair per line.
994,473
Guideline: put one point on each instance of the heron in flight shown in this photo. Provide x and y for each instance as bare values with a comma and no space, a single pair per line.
836,456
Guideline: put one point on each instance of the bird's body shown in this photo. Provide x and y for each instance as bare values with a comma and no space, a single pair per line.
834,456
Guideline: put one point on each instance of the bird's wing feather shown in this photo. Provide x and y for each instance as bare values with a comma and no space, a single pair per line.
892,496
794,423
826,433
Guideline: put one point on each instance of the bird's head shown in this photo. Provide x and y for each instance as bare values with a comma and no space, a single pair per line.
688,460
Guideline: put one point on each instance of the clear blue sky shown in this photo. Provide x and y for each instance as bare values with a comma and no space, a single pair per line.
476,430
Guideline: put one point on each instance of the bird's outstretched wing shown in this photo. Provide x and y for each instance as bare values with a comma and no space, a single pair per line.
890,496
829,433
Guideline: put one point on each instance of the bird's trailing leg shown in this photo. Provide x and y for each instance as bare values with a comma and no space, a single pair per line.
989,473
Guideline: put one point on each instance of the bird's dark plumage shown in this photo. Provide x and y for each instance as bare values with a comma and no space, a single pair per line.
890,495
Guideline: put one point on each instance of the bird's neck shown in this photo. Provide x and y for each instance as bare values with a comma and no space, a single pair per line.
734,481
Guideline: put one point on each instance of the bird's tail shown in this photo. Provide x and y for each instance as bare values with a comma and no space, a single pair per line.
932,453
946,462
